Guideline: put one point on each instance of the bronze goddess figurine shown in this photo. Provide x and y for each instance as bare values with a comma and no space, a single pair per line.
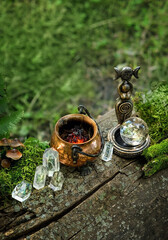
124,105
123,108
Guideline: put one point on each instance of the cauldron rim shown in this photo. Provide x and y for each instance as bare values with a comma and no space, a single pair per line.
78,116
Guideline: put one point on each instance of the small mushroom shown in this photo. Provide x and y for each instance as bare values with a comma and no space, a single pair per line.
5,163
14,154
16,143
5,142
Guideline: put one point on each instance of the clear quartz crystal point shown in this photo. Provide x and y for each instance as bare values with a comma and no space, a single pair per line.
107,151
57,181
134,131
22,191
40,177
51,161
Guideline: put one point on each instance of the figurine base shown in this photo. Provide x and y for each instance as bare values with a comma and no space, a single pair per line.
121,148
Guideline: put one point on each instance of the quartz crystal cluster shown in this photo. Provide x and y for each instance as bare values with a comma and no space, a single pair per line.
40,177
134,131
107,151
57,181
50,167
51,161
22,191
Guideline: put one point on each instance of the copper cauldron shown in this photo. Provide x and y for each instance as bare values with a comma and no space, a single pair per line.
77,154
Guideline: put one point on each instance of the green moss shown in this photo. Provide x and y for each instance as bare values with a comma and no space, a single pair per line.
157,156
156,150
153,108
155,165
23,169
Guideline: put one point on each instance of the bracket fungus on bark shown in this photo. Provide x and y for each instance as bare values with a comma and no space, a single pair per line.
16,143
14,154
5,142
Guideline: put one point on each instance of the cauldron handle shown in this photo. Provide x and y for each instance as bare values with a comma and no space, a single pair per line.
76,149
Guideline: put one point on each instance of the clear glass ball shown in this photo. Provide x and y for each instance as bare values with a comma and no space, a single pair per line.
134,131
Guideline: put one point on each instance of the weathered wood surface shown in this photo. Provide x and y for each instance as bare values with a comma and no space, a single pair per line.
113,202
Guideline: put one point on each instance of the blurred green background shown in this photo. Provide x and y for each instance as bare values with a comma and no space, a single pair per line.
55,55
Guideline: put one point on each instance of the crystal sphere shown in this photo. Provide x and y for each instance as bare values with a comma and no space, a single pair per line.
134,131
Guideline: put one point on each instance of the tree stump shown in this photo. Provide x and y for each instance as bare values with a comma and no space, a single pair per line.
113,202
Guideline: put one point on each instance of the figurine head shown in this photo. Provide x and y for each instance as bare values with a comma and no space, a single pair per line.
126,73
